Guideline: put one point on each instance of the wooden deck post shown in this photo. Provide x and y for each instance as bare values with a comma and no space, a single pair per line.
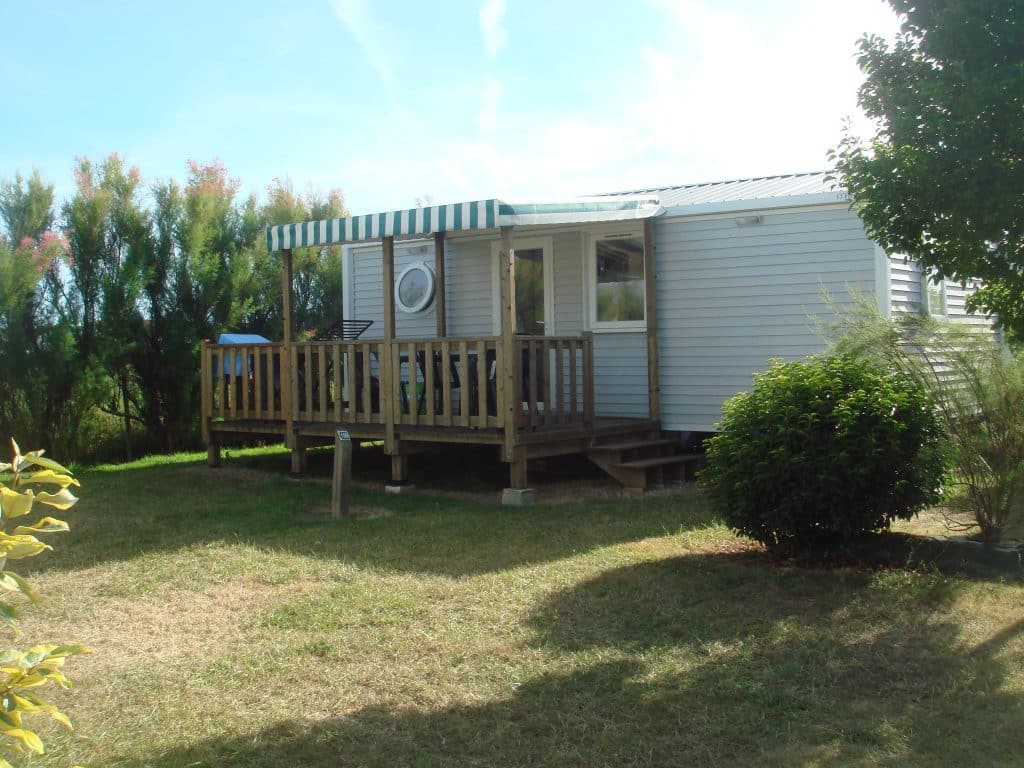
212,452
385,365
205,395
651,297
588,378
399,469
518,477
440,287
300,459
509,364
288,377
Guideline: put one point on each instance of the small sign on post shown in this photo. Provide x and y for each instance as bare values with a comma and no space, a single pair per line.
341,481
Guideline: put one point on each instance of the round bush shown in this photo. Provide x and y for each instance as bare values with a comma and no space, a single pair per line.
823,451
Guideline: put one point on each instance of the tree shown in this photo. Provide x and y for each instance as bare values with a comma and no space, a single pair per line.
43,383
941,181
109,314
316,284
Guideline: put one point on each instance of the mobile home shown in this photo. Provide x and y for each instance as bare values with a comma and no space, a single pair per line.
613,325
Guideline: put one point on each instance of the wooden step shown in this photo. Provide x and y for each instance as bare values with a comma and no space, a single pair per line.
659,461
655,442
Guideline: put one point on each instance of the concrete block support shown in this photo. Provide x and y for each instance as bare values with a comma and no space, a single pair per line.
518,497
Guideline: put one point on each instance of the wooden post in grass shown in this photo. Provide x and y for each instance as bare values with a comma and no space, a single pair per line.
509,364
341,480
289,377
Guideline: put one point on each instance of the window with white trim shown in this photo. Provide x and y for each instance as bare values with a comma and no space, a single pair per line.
618,289
933,295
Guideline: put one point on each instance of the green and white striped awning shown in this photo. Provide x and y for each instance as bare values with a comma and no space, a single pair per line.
458,217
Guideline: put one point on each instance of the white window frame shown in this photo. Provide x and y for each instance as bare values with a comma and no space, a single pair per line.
526,243
428,299
610,232
929,283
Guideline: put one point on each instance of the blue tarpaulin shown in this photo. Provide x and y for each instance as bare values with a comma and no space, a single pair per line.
243,338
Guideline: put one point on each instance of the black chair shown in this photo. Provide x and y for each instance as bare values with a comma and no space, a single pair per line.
344,330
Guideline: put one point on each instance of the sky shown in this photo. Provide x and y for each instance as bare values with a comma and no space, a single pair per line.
452,100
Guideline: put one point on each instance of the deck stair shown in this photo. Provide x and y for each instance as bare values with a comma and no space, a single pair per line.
644,460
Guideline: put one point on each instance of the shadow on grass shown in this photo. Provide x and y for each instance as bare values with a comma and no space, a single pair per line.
701,661
136,510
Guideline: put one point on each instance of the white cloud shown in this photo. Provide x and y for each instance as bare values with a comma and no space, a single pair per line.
735,94
487,120
491,14
741,95
355,16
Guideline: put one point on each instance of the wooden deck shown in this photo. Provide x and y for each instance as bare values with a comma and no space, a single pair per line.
409,392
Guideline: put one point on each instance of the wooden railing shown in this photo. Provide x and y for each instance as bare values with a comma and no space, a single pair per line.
441,382
336,382
555,379
242,381
448,382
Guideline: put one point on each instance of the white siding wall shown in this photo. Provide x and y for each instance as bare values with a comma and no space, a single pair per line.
731,297
620,374
906,293
469,274
905,282
568,277
468,294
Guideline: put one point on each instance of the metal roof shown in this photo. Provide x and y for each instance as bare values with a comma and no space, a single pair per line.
489,214
788,185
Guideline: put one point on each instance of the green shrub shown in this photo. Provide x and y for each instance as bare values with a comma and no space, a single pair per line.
823,451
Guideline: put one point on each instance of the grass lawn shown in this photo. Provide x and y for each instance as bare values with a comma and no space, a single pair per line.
606,632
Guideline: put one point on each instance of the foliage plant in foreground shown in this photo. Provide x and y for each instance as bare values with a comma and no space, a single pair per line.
823,451
25,479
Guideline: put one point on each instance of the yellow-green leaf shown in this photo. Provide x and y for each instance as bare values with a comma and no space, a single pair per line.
63,651
36,457
49,477
61,718
15,504
26,737
15,583
5,764
42,525
9,616
42,674
20,546
29,703
10,719
63,499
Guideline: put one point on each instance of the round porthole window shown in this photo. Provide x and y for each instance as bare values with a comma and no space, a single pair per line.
414,288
